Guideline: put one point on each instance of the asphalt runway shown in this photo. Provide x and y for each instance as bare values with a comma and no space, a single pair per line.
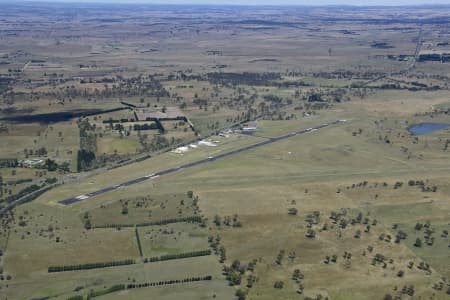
86,196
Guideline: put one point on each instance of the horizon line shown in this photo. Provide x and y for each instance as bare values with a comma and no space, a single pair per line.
194,3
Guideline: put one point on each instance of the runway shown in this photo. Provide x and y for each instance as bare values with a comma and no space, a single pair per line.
87,196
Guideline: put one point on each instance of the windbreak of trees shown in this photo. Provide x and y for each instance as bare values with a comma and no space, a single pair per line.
98,265
138,240
169,282
120,287
8,163
160,126
114,288
190,219
177,256
152,126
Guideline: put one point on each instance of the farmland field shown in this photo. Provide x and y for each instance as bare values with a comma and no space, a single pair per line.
280,137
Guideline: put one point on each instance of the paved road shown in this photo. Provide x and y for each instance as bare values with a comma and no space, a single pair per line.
409,67
86,196
417,51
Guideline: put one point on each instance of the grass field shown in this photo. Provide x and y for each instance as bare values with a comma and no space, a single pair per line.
308,170
312,172
115,145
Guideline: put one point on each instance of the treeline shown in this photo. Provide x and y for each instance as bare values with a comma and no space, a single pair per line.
88,146
111,121
4,83
136,127
138,240
120,287
143,86
177,256
8,162
85,159
23,192
168,282
101,265
191,219
160,126
246,78
19,181
153,126
444,57
114,288
98,265
128,104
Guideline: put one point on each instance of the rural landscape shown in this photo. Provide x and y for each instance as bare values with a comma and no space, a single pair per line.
224,152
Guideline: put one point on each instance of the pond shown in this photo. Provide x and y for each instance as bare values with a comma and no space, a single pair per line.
425,128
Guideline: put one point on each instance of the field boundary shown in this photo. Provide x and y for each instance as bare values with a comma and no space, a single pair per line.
191,219
102,265
131,286
138,241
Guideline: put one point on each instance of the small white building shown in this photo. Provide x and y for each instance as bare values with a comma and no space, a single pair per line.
249,129
31,163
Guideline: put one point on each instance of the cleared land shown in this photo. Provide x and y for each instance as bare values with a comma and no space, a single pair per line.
354,211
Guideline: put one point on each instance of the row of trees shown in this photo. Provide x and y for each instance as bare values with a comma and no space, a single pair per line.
120,287
8,162
135,127
177,256
23,192
168,282
246,78
138,240
114,288
190,219
227,221
98,265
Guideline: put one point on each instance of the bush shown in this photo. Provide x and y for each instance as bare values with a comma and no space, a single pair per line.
241,294
278,284
418,243
51,180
